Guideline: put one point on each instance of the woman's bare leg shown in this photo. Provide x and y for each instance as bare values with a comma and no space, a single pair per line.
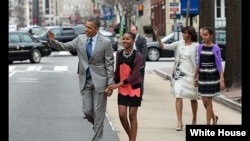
179,106
194,106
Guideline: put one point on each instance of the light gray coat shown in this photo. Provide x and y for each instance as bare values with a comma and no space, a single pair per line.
178,46
101,63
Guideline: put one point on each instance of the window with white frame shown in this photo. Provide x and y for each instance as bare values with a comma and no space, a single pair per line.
218,8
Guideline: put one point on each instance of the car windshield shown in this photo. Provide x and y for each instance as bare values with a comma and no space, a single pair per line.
79,29
221,36
105,33
41,31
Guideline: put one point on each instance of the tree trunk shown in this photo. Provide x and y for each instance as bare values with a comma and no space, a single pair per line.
233,68
206,14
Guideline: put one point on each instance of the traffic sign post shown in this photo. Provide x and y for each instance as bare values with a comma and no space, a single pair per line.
108,13
174,8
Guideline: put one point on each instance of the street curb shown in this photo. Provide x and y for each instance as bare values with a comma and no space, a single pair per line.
221,98
228,102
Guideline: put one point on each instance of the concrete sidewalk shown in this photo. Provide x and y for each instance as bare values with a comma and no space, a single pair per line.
157,115
230,98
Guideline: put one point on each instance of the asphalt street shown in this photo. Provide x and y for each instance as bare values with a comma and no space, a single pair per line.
51,109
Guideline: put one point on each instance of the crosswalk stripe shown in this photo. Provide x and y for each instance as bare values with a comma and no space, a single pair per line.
64,53
11,68
60,68
12,73
31,68
38,68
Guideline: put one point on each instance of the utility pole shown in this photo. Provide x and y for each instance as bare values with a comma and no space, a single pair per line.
137,15
187,12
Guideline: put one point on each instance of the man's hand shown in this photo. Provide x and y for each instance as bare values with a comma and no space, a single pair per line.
108,91
51,36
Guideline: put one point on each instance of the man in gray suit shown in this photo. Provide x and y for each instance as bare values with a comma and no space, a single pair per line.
141,45
100,63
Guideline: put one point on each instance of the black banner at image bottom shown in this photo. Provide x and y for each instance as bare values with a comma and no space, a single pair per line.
195,132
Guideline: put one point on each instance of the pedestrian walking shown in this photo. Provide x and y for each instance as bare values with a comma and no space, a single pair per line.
183,71
128,81
140,44
96,72
209,76
201,29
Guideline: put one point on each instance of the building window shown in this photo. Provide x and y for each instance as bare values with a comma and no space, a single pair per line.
47,7
218,8
56,9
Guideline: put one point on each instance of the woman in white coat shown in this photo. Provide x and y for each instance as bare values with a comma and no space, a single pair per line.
183,72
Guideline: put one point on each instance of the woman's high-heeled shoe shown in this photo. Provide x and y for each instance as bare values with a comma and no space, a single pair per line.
179,128
216,119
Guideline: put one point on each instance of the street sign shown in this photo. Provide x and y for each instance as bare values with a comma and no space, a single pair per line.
174,7
175,16
108,14
194,7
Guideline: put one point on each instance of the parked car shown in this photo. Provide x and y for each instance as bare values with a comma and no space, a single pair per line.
62,34
220,40
12,27
79,29
112,37
23,46
155,52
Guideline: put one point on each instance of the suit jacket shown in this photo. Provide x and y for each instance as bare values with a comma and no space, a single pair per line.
141,46
101,63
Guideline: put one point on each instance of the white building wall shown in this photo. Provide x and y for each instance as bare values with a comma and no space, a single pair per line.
145,19
67,7
70,6
220,21
27,12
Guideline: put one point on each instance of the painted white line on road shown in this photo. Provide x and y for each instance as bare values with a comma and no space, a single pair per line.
56,53
64,53
27,80
38,68
107,115
12,73
11,68
31,68
60,68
